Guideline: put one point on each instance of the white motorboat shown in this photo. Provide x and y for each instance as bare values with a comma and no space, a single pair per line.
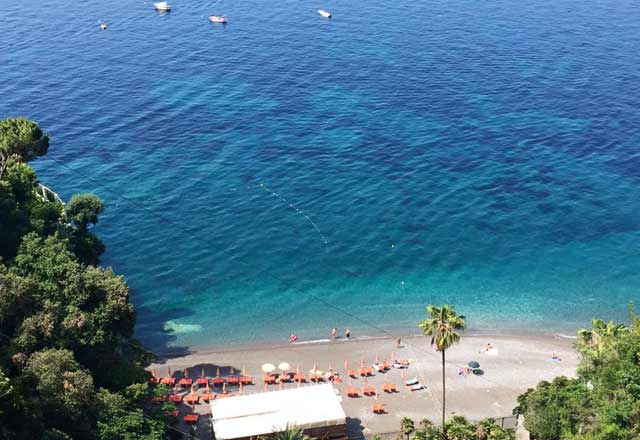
104,26
323,13
162,6
218,19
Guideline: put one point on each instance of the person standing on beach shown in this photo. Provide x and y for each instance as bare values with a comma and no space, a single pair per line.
334,333
399,343
347,333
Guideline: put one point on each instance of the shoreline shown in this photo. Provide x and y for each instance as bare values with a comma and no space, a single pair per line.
167,353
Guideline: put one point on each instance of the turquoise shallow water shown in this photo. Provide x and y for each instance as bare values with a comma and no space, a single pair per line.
286,173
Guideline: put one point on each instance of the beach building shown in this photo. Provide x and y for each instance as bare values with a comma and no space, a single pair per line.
315,409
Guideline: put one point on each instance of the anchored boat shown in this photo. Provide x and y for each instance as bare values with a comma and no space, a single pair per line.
218,19
162,6
323,13
104,26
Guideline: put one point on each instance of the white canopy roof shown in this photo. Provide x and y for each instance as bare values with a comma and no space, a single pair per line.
263,413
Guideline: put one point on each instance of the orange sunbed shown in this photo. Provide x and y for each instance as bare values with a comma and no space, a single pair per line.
299,378
378,409
202,381
369,391
352,373
191,418
171,381
175,398
353,392
217,381
185,382
270,379
192,399
389,388
246,380
317,377
208,397
233,380
366,371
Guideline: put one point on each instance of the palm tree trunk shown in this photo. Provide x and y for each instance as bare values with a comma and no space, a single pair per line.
444,431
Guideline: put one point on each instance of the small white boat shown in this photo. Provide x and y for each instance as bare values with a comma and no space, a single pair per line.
104,26
323,13
162,6
217,19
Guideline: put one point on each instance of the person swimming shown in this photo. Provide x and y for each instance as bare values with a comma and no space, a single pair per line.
292,338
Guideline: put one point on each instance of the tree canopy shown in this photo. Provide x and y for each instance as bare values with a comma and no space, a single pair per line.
22,139
69,365
603,402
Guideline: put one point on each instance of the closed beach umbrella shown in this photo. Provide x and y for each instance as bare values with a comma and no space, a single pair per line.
284,366
473,364
232,371
268,368
218,372
186,373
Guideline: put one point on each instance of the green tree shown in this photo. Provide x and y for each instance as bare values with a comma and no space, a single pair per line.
291,432
443,325
407,427
63,389
82,211
603,402
20,139
118,420
66,325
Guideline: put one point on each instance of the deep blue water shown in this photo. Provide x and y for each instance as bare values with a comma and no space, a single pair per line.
482,153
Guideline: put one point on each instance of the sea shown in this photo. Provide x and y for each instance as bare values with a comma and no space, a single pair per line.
286,173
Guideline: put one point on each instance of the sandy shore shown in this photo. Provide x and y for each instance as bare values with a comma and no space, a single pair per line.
519,362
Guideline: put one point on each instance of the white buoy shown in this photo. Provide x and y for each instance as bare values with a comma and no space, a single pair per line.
104,26
323,13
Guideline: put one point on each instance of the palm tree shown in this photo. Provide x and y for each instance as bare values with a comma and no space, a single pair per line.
291,432
600,334
407,427
442,325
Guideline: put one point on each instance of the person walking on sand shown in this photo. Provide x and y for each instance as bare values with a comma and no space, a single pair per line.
334,333
398,342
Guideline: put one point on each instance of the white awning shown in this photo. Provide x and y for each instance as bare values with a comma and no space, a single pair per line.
249,415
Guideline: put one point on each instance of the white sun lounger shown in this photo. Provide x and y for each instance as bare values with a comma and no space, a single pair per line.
412,382
417,387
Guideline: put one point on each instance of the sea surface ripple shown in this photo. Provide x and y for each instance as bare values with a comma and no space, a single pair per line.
287,173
